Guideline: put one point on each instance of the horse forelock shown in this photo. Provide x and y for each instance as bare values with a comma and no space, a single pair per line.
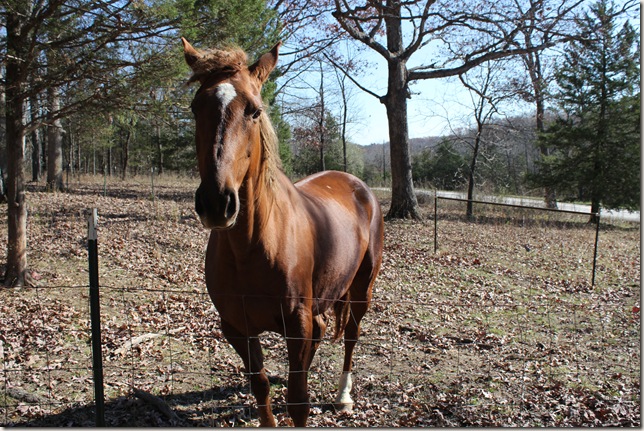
215,61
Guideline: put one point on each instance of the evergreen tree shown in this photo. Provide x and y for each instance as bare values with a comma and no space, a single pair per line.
444,167
597,134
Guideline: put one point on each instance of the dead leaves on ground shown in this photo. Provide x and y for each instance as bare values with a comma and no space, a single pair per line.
501,327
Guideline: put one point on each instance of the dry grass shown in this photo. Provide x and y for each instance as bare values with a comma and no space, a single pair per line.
500,327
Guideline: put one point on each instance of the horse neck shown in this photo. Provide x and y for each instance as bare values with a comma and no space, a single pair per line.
263,188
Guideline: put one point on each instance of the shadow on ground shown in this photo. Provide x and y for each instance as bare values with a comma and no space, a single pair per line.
190,409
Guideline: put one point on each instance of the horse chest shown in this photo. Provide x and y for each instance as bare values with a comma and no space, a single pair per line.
253,294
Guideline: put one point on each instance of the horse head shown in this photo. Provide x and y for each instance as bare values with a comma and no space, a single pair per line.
227,109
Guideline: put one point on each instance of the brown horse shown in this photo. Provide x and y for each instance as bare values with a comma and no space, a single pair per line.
281,257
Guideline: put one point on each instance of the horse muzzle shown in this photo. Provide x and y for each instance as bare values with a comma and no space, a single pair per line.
216,210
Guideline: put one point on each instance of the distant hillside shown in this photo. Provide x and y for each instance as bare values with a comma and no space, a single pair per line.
373,152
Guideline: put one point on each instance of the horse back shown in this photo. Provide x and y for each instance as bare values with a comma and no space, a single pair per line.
342,193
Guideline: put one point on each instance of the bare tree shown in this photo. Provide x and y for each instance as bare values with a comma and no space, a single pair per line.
487,92
342,84
539,80
54,142
464,33
347,115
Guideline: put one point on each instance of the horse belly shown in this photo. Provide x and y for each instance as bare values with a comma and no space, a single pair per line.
337,265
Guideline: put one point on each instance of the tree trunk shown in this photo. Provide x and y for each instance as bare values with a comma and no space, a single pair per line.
36,145
533,63
109,161
16,269
345,114
403,198
93,156
70,162
160,151
125,151
469,212
550,195
3,154
79,160
321,128
54,144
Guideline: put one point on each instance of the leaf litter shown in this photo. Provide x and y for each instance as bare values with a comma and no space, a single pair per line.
501,327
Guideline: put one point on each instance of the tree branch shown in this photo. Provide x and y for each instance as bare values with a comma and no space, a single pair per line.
356,83
419,73
350,24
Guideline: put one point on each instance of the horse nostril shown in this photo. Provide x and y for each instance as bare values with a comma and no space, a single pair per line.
199,207
230,199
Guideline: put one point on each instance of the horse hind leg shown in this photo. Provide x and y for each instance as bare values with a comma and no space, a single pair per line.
319,329
250,350
343,400
360,299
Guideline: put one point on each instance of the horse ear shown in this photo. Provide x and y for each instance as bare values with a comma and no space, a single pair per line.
191,54
265,65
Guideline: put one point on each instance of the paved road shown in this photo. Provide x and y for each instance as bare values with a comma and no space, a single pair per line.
532,202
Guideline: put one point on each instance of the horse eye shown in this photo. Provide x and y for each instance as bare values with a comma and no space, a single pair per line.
253,111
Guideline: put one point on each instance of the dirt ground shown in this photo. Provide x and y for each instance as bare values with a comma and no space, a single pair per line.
500,327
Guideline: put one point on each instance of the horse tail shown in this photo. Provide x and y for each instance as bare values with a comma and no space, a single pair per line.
342,309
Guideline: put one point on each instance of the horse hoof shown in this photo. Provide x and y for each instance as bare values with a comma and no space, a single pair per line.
344,407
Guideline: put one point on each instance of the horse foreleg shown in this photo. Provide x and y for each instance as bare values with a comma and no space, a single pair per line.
250,350
300,344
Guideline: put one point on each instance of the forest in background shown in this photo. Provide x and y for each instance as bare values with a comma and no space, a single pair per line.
142,123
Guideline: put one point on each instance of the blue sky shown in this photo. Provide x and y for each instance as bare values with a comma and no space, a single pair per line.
427,108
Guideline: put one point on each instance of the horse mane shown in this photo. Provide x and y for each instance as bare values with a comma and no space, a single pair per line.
271,162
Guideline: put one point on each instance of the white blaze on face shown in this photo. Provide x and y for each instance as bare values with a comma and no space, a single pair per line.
225,93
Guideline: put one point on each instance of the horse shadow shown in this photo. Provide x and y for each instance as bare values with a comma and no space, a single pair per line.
231,405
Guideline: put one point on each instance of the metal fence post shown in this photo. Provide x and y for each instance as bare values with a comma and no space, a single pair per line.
595,251
435,220
95,316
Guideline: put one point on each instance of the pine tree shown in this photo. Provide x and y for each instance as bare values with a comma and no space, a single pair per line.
596,135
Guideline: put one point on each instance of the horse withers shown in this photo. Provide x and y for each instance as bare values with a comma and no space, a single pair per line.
281,257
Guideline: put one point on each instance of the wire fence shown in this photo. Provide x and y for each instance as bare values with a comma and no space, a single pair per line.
521,218
483,332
